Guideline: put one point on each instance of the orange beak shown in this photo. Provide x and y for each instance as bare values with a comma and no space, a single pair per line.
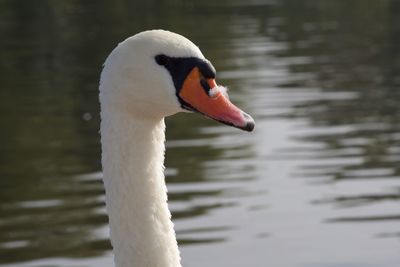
195,92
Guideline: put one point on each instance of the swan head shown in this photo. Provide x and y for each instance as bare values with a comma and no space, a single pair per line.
158,73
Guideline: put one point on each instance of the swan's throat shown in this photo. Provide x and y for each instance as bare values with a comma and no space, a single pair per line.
142,233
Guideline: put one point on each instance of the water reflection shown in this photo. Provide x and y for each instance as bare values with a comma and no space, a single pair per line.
323,164
357,135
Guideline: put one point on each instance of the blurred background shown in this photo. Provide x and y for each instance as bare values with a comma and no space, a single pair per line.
316,185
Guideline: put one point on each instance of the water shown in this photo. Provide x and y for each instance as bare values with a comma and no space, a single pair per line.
317,184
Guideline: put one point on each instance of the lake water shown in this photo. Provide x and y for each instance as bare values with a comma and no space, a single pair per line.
317,184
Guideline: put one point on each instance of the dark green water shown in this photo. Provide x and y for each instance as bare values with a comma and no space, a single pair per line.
316,185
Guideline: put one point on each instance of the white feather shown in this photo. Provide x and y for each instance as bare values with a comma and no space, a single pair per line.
135,95
219,89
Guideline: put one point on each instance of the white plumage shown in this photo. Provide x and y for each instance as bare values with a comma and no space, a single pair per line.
136,94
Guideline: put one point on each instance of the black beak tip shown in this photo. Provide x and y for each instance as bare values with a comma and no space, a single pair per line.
250,124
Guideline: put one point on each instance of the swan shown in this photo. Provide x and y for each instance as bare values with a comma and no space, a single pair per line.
147,77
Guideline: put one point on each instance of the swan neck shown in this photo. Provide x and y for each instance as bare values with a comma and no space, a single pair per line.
141,229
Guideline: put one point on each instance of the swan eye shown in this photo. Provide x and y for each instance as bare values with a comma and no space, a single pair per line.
162,60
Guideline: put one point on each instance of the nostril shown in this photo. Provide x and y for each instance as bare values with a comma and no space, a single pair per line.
205,86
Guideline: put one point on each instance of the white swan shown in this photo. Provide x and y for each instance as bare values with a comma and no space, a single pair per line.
145,78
